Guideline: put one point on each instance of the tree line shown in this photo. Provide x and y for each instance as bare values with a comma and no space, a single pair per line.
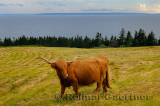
123,40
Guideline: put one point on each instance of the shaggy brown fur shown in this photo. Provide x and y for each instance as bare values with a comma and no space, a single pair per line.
82,73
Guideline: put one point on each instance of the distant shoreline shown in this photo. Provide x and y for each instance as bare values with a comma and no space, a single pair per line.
84,14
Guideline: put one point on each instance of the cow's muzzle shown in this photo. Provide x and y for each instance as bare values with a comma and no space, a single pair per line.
66,76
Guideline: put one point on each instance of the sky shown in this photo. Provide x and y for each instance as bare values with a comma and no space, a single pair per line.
78,6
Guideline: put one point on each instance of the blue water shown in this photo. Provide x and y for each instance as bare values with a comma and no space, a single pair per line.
71,25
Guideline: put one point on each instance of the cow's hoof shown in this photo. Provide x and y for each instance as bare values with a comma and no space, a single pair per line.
110,87
104,91
96,91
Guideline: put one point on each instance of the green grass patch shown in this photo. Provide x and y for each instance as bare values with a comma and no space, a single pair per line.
25,80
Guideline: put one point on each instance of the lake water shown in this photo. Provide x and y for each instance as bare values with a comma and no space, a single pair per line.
71,25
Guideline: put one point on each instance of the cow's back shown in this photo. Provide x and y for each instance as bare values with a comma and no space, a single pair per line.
88,71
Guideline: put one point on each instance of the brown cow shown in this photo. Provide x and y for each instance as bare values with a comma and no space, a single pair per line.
82,73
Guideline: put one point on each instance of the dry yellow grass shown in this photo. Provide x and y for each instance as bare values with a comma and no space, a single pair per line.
24,80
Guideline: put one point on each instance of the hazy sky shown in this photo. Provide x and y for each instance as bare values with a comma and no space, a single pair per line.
78,6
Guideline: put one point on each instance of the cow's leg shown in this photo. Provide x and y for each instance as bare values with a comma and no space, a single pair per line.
104,85
98,86
75,87
100,83
62,90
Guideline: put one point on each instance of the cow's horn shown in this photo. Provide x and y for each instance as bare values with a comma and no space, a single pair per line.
73,59
45,60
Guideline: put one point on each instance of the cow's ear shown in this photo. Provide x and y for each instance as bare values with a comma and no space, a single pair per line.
53,65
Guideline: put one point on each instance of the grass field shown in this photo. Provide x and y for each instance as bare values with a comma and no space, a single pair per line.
24,80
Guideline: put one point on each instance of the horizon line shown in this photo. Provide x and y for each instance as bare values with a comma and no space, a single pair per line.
118,13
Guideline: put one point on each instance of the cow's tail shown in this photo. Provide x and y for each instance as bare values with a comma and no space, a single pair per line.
44,60
107,77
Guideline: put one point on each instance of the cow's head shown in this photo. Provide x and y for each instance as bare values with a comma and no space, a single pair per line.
61,69
60,66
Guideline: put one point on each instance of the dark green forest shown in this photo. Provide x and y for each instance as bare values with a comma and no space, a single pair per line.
125,39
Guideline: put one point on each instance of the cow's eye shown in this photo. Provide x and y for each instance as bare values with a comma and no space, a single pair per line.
56,67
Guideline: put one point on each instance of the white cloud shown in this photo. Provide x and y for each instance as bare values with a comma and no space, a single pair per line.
142,6
155,8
